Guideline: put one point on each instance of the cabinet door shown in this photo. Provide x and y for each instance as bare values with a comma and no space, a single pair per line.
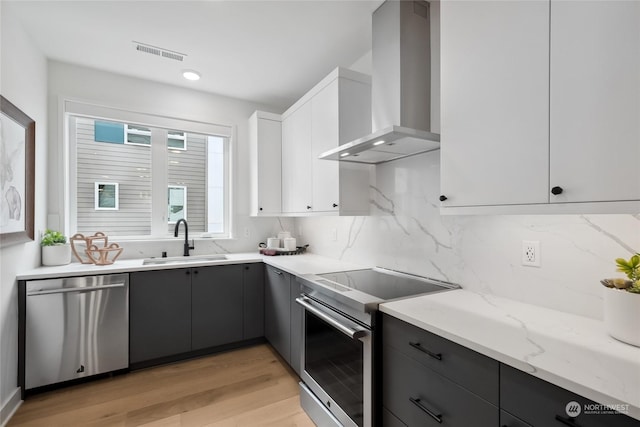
277,328
540,403
296,161
296,327
595,100
325,136
253,300
160,314
495,102
216,316
266,166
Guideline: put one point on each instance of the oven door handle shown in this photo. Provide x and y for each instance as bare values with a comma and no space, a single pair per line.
350,332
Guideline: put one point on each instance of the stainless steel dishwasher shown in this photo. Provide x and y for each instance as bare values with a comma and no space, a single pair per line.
75,327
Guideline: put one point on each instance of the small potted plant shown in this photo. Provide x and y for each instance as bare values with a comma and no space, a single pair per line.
55,249
622,302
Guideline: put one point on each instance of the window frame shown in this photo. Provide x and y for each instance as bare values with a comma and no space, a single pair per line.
128,131
71,108
96,196
184,200
183,139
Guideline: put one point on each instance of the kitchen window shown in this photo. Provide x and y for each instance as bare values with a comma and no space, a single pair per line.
135,180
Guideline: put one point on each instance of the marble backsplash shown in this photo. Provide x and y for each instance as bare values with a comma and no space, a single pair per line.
406,232
258,230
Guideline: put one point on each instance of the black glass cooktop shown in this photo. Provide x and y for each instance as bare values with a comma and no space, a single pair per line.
384,284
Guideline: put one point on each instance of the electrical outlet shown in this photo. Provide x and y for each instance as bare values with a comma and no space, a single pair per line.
531,253
299,231
334,234
247,232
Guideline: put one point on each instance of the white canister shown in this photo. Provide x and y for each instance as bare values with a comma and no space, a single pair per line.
273,243
289,243
284,235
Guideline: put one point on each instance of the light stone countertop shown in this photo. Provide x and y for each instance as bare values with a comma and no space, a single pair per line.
571,351
294,264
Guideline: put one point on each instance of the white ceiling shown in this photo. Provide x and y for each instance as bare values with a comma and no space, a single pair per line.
266,51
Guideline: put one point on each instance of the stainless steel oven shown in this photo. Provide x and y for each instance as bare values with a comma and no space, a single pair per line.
339,336
336,364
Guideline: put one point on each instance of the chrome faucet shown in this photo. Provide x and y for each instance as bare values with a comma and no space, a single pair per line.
187,247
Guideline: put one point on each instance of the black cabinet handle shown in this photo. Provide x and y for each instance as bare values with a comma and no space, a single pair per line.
246,267
418,347
556,190
443,198
195,271
308,207
260,209
334,205
437,417
279,273
187,272
567,421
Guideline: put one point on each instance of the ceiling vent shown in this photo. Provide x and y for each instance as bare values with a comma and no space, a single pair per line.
158,51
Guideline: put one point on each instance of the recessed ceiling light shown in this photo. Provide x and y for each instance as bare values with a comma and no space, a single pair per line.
378,143
191,75
344,154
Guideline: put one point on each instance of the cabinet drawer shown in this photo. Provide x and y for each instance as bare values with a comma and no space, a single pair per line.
419,396
466,367
542,404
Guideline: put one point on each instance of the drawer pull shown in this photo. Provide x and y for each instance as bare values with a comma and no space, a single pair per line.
567,421
437,417
417,346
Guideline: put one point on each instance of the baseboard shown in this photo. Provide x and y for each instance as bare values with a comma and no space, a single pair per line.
10,407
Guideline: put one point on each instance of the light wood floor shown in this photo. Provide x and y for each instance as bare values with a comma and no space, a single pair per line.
247,387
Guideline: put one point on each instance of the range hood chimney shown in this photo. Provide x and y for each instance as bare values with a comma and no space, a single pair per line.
401,87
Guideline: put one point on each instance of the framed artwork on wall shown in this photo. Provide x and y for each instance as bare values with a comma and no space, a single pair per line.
17,174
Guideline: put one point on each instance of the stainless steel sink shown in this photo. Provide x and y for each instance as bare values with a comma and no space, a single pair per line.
183,259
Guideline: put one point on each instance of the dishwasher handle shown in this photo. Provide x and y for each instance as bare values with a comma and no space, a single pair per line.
80,289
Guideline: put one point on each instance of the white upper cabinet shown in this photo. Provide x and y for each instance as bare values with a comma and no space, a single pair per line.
595,100
540,106
495,102
296,160
337,110
265,132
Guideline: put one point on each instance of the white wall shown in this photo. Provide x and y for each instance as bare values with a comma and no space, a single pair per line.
68,81
482,253
23,81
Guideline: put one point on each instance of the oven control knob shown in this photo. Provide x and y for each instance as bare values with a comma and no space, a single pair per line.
328,404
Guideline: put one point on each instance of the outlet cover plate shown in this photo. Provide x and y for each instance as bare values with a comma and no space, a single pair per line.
531,253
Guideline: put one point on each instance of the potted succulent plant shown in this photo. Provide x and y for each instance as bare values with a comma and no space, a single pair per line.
622,302
55,249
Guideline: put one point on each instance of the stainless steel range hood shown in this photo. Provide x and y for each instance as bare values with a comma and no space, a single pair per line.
401,87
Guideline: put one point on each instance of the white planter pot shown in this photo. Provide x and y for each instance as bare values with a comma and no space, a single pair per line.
622,315
56,255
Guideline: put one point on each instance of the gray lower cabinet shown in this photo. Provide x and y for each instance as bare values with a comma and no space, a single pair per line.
253,300
541,404
159,314
296,327
216,306
181,311
430,381
283,316
277,311
419,396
